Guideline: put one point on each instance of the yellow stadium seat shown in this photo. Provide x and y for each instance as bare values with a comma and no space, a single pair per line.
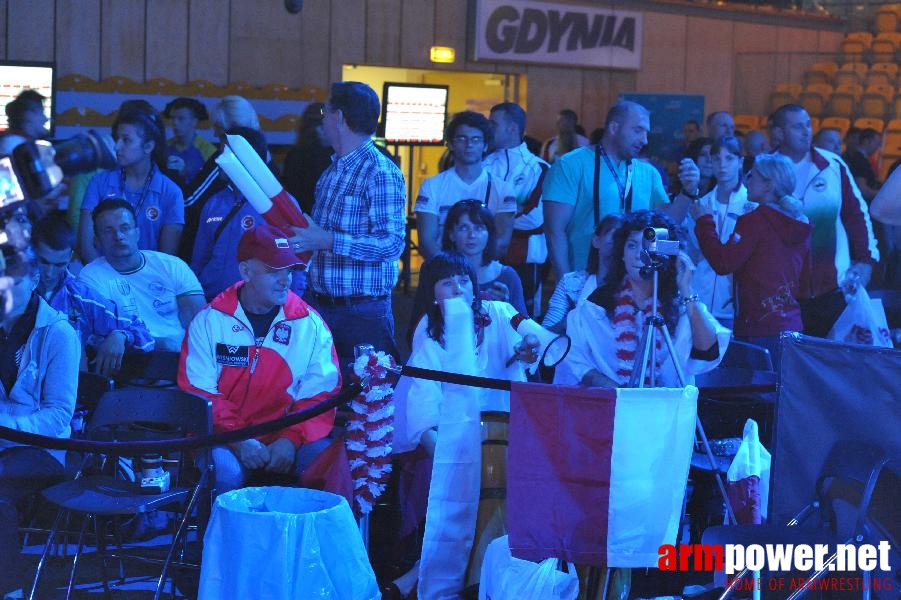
840,123
876,100
882,73
815,97
746,123
820,72
852,72
871,123
886,20
893,126
885,45
814,123
856,45
843,101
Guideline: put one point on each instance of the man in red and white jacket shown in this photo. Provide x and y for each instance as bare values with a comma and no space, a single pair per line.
259,352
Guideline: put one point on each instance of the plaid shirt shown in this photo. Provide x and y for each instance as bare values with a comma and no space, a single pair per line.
361,197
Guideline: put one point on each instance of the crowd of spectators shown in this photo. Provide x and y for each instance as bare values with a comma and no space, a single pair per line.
168,255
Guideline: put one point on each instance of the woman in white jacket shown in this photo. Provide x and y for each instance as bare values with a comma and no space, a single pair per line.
606,330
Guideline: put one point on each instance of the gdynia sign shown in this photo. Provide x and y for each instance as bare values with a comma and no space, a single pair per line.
554,33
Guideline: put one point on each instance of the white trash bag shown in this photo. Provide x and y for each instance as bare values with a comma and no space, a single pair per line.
507,578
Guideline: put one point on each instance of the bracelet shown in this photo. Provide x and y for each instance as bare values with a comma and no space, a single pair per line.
686,300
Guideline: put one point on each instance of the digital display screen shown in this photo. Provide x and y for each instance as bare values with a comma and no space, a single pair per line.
413,113
15,77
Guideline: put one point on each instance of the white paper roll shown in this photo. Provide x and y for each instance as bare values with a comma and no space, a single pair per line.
243,180
254,165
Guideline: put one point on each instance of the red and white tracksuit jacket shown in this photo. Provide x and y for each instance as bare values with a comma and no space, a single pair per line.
293,368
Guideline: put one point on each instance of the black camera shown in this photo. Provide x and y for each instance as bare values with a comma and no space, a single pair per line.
35,168
656,241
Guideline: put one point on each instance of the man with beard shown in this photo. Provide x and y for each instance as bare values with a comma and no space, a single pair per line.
590,183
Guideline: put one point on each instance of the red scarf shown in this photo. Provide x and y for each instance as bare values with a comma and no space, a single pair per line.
627,334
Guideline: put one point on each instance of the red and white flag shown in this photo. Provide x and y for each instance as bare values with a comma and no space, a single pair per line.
597,476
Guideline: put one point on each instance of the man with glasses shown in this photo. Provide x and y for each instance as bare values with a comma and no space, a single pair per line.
38,378
156,287
105,337
468,137
357,227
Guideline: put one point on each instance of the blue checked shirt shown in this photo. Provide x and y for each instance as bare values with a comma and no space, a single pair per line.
361,198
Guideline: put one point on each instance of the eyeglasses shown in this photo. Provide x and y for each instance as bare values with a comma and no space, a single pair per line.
464,140
476,228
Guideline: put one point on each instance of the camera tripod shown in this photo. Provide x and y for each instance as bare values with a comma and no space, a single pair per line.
647,355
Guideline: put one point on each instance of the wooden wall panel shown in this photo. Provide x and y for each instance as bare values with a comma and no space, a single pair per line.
708,62
347,28
663,54
418,18
314,54
208,37
450,30
383,32
551,89
262,36
167,45
30,30
122,33
4,8
77,53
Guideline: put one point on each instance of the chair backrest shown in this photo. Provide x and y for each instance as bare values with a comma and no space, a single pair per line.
846,484
747,356
91,387
883,519
156,369
148,413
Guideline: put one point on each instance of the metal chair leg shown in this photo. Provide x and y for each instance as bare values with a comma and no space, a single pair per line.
48,547
81,536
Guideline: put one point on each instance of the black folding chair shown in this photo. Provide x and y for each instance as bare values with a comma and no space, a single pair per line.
134,414
837,514
155,369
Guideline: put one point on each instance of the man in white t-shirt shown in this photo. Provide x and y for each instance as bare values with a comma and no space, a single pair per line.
468,137
157,287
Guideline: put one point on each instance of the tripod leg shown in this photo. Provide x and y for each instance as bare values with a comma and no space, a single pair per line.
640,366
699,427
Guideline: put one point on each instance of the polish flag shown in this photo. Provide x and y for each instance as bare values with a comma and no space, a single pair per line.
597,476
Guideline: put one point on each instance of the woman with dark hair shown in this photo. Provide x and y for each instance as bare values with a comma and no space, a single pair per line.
727,201
309,157
469,230
607,328
575,286
159,204
499,352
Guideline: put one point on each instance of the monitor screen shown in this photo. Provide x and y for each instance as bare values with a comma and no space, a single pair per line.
17,76
414,113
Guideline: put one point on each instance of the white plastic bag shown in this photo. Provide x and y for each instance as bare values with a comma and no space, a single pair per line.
862,322
507,578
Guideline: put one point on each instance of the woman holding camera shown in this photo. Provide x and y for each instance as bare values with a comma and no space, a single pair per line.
606,330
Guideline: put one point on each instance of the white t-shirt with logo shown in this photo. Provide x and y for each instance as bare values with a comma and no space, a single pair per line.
437,194
150,292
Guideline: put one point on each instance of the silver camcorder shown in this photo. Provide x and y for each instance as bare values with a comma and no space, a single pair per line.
656,241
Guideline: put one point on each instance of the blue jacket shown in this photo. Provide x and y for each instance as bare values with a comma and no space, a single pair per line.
94,317
215,260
